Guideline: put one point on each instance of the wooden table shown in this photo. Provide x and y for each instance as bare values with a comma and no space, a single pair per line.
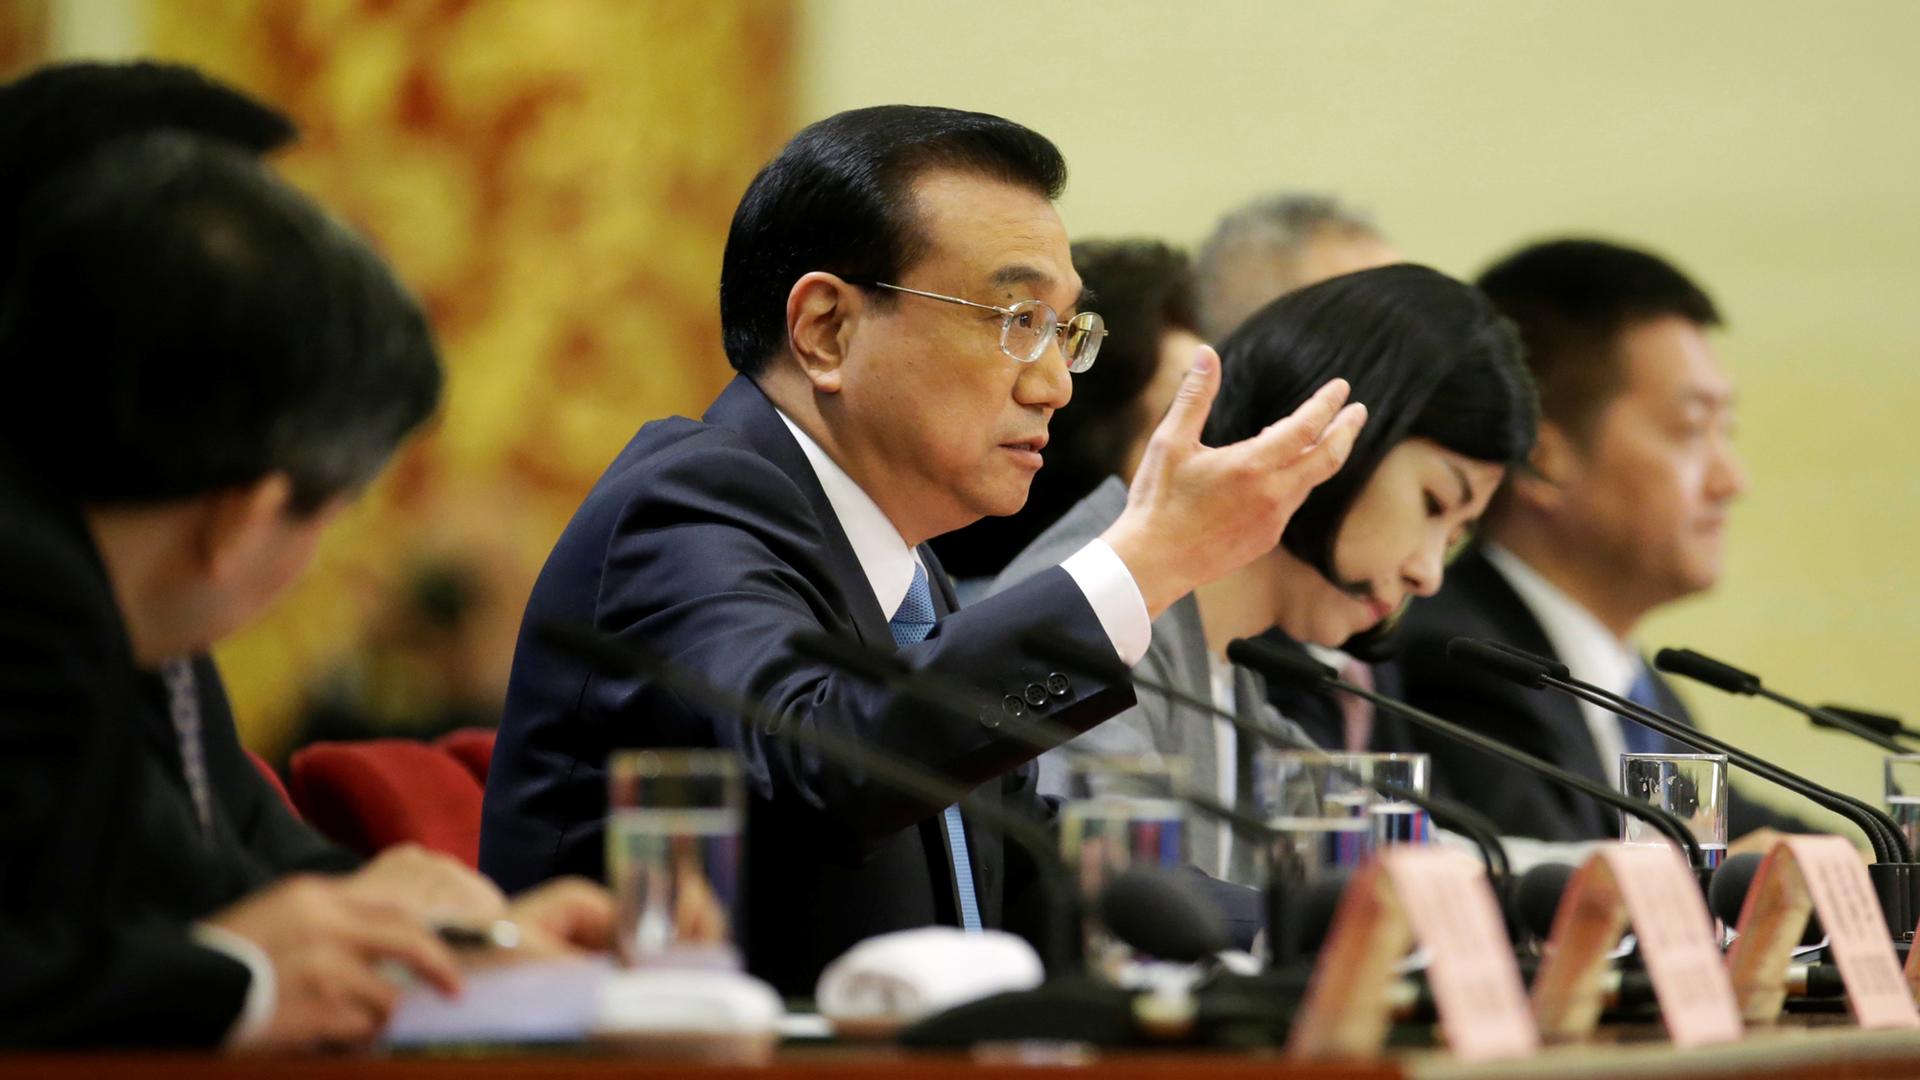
1801,1051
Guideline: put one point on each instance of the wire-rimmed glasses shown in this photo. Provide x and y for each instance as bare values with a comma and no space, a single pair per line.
1027,326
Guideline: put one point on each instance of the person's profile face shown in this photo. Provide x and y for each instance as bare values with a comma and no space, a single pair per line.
1656,477
1420,505
947,427
265,554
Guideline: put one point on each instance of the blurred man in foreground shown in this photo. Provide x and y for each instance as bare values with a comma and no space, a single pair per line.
204,369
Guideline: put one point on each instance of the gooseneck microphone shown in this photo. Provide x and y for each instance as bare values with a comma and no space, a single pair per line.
1107,668
1880,722
1724,676
1536,672
618,656
1277,663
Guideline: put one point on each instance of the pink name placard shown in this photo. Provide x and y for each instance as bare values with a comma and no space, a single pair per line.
1652,889
1856,928
1440,899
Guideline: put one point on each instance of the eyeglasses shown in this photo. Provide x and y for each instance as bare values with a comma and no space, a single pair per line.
1027,327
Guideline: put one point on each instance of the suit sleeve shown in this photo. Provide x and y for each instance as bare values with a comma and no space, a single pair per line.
80,967
719,561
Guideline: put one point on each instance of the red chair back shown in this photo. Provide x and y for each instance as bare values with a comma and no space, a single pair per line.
273,781
472,747
371,794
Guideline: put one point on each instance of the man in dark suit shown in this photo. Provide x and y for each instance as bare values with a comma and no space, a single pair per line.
1624,511
898,298
180,428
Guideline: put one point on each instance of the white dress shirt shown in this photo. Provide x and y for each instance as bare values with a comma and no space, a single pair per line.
1589,650
888,561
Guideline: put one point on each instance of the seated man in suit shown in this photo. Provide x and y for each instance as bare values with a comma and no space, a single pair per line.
1625,510
899,301
181,426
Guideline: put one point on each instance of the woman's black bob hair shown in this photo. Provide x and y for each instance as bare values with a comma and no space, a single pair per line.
1428,355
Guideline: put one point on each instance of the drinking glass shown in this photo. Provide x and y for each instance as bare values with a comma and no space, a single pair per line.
1903,795
674,819
1691,787
1119,812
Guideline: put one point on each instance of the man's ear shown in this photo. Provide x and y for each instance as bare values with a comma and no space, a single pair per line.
1554,464
821,312
239,525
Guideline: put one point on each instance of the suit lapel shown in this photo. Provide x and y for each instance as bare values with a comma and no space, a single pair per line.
1565,738
744,408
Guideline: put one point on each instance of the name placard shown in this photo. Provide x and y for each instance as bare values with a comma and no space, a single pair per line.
1440,899
1822,874
1652,889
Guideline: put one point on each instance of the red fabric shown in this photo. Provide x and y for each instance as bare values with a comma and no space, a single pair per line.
273,780
472,747
372,794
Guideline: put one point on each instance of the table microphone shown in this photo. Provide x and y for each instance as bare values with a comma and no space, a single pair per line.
1724,676
1880,722
1535,672
1277,663
1107,667
1896,879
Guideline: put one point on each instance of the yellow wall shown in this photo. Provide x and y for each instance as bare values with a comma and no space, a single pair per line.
1767,146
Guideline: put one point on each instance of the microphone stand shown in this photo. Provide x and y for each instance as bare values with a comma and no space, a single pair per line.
1724,676
1896,877
1278,663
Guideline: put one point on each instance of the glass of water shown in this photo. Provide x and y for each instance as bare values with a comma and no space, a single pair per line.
1119,812
1903,795
674,819
1297,787
1691,787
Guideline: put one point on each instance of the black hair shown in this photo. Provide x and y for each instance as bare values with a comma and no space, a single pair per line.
1570,300
184,321
839,198
1427,355
56,115
1142,288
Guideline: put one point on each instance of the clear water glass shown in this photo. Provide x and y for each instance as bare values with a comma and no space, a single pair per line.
1119,812
1691,787
674,824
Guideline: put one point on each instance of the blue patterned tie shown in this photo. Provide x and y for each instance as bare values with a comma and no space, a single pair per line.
912,623
1637,737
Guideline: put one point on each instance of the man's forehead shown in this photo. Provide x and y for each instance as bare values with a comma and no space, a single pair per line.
1671,361
984,233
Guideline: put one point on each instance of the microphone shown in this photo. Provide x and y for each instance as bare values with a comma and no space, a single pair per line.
1107,668
1724,676
1291,920
1880,722
606,653
1279,663
1896,879
1163,915
1727,896
1536,672
1536,898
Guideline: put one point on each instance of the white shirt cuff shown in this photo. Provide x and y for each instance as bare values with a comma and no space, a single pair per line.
1110,589
257,1010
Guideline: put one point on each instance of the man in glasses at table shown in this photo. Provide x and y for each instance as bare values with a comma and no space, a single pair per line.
899,301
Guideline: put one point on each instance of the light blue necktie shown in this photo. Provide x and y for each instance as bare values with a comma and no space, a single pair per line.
912,623
1638,737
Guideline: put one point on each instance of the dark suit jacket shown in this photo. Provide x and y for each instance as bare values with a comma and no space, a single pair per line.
103,866
712,542
1477,602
